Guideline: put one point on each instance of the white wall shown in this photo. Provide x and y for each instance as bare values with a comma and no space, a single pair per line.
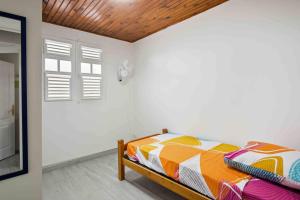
28,187
82,127
230,74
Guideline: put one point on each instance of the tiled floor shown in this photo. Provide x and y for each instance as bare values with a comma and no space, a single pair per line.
97,180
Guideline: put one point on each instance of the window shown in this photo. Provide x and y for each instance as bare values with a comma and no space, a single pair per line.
59,63
58,70
90,72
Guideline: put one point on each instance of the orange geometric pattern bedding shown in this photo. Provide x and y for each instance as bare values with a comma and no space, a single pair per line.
200,165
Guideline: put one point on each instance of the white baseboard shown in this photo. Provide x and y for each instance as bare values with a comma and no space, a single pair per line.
55,166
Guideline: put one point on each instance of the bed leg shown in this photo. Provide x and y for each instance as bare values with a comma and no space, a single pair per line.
165,131
121,168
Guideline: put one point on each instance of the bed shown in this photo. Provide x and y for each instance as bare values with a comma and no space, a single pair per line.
194,168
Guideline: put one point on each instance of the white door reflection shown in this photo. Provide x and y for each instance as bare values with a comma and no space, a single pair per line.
10,134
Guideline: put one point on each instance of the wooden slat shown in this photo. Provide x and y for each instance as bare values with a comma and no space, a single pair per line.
82,19
72,14
66,12
54,9
47,9
61,10
45,2
80,14
96,19
121,169
125,20
93,16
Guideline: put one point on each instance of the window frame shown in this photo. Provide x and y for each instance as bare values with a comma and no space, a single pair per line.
58,72
91,62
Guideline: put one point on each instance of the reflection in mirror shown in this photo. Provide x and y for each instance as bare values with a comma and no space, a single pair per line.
10,93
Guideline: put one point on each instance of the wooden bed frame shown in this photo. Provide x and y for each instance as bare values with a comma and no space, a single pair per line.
166,182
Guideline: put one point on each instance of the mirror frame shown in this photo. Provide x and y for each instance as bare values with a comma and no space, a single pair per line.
23,98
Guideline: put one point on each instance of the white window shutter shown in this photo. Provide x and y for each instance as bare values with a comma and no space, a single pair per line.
91,87
58,48
58,70
90,53
58,86
90,72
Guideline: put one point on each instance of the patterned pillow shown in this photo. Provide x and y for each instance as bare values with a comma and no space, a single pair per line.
268,161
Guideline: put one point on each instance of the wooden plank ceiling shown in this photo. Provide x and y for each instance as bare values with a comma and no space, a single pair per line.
128,20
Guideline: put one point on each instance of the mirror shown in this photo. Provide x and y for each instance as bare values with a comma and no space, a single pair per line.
13,101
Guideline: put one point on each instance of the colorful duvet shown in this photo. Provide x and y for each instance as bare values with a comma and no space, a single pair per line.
200,165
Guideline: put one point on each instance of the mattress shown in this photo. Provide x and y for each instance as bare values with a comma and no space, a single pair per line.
199,164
